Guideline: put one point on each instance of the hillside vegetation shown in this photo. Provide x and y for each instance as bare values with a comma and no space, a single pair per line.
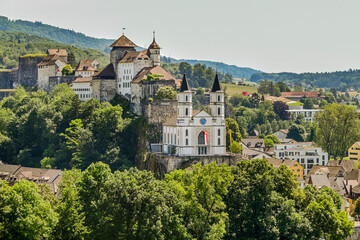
13,45
340,79
57,34
232,89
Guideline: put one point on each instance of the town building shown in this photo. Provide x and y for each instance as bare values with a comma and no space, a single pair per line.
51,65
82,88
281,134
194,133
294,166
354,151
254,143
309,114
86,68
297,96
305,153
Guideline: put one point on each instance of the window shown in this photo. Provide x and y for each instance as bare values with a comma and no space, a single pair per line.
218,98
186,132
186,142
186,98
219,111
201,138
219,141
186,111
219,132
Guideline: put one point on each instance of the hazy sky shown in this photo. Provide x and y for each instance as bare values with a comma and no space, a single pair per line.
269,35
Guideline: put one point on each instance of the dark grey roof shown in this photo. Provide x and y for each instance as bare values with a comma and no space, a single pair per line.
184,85
216,85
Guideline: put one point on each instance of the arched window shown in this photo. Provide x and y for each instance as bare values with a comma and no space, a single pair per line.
219,132
219,111
186,111
201,138
219,141
186,142
186,133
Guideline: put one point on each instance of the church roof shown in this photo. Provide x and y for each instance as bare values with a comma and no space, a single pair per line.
106,73
123,41
184,85
155,70
132,56
154,45
216,85
172,121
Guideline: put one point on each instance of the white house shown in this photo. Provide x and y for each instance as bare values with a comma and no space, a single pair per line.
309,114
305,153
51,65
82,88
86,68
192,133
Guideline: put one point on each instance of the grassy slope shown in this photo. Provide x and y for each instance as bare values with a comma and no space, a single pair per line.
232,89
14,45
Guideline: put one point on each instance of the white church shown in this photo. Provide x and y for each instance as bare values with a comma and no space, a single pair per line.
194,133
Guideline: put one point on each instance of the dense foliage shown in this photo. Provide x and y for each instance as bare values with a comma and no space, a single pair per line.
57,34
198,75
57,130
252,200
15,45
339,79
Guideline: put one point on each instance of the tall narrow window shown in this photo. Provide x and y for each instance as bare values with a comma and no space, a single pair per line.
219,132
186,97
218,98
219,111
186,132
187,142
186,111
219,141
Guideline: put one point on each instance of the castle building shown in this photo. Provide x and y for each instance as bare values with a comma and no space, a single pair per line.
86,68
50,66
193,132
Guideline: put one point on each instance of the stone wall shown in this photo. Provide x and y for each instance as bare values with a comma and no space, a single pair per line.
5,80
159,111
28,70
56,80
6,93
170,163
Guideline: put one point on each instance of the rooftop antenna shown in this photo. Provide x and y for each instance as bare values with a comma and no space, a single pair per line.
124,31
154,35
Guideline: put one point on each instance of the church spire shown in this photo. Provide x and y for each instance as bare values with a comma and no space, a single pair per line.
216,85
184,85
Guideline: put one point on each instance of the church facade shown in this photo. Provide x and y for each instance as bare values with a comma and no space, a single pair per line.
193,132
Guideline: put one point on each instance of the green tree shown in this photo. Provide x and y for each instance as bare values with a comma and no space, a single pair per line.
269,143
24,212
67,70
296,132
283,87
235,147
280,108
165,93
337,129
273,138
233,127
298,88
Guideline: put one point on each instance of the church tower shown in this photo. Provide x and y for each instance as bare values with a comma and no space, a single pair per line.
217,105
154,52
184,97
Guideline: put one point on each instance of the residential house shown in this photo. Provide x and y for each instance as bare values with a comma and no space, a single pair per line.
251,154
354,151
281,134
309,114
51,65
82,88
86,68
254,143
294,166
305,153
297,96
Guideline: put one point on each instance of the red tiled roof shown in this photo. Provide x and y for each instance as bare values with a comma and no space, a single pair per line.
49,60
85,65
106,73
154,45
123,41
82,80
155,70
131,56
60,52
300,94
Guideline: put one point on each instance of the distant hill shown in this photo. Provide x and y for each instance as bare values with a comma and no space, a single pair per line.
342,80
57,34
235,71
15,44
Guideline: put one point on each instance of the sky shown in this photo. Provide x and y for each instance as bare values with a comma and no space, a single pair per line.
268,35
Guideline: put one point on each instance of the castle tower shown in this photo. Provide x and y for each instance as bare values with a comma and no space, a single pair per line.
217,105
184,97
119,47
154,51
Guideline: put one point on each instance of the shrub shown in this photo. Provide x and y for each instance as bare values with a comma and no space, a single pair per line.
235,147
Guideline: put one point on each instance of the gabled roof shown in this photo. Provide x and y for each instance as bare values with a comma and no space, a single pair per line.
60,52
184,84
82,80
277,162
123,41
85,65
332,171
106,73
348,165
320,181
253,142
132,56
154,70
216,85
300,94
50,60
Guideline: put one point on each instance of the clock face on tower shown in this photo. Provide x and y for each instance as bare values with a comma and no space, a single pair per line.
203,121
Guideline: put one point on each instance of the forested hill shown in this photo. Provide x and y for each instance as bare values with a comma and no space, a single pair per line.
340,79
57,34
15,44
235,71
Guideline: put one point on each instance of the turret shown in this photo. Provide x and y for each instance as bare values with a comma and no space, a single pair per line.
119,47
217,106
184,98
154,52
